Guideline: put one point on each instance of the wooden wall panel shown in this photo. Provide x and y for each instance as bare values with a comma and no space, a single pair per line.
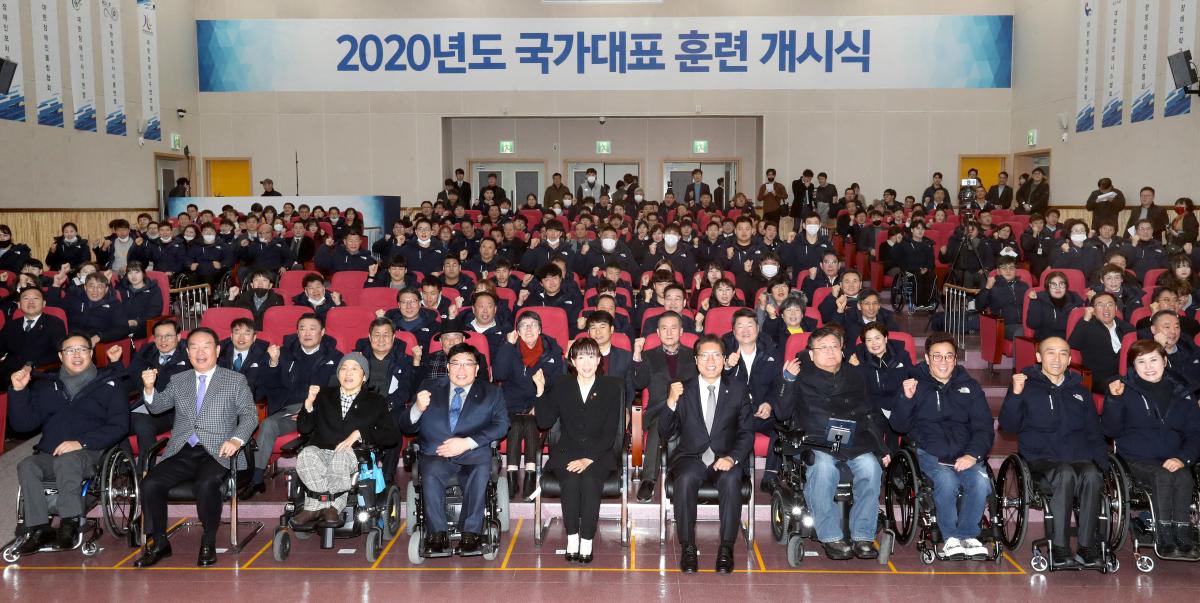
38,227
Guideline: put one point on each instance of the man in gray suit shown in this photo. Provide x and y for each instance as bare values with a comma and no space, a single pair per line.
214,417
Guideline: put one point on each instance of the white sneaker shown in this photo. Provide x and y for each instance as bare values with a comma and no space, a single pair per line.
974,548
953,548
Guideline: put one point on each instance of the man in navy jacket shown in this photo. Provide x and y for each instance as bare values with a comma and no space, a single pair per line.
456,421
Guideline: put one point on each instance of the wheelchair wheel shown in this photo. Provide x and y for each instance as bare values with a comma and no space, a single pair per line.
281,544
391,513
780,518
1013,493
900,502
120,492
374,544
1116,489
795,550
414,547
10,553
410,508
492,541
502,504
1145,564
897,296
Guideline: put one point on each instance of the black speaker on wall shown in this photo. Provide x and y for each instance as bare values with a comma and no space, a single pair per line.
7,70
1182,69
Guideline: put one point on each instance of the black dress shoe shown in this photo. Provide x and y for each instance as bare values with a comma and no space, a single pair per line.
530,485
513,486
438,543
469,545
1089,556
645,491
250,490
571,557
68,531
37,538
863,549
725,559
207,556
768,483
156,550
688,562
584,558
1061,557
838,550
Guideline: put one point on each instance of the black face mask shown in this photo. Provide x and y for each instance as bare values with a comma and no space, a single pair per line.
260,291
5,244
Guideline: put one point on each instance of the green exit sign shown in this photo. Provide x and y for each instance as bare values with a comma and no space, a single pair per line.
699,147
1031,137
508,147
603,147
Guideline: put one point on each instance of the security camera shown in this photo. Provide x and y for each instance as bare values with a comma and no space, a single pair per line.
181,113
603,119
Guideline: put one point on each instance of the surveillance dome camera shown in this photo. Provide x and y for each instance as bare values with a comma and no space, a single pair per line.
181,113
603,119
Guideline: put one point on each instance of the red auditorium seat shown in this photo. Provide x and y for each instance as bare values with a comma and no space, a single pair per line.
218,319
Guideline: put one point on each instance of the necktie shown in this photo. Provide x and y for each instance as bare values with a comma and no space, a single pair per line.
162,360
710,407
455,407
195,439
237,362
28,325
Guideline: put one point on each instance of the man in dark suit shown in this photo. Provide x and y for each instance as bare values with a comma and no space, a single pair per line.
463,187
804,195
30,337
711,417
1000,195
214,418
755,360
613,360
244,352
1105,203
169,359
456,421
696,189
655,371
1147,210
302,247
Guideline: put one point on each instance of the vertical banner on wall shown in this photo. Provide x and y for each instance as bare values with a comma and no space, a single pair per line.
112,60
46,62
148,65
1181,35
1145,59
1085,98
83,69
1113,97
12,105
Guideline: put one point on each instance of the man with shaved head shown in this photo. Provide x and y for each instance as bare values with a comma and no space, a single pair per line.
1058,432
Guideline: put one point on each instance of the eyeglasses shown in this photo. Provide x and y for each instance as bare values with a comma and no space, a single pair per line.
77,350
463,364
709,355
943,357
828,348
1057,285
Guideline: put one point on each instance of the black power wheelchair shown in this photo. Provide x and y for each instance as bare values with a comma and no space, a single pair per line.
114,486
372,506
1017,492
495,511
909,506
791,518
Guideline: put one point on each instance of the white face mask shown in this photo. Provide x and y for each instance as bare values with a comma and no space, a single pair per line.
279,228
164,239
153,236
552,242
123,239
591,179
1077,237
558,211
189,237
608,244
70,239
210,238
770,270
671,240
812,229
423,242
566,203
637,198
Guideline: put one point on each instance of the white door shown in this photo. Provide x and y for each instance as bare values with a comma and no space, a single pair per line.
518,179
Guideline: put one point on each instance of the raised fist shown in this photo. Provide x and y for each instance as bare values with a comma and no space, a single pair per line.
910,388
422,402
512,336
273,353
1116,387
20,379
675,393
1018,383
148,378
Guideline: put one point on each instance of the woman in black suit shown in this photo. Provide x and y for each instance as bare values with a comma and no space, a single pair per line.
334,418
587,408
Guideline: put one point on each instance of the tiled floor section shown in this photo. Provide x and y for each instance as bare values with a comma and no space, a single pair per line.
525,572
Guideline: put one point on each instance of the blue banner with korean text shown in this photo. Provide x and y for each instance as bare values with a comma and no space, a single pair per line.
885,52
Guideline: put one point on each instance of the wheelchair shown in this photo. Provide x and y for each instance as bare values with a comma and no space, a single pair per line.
908,504
1017,492
791,519
904,294
372,507
1133,504
114,486
495,512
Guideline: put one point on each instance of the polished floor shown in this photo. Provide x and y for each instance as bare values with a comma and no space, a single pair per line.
525,572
